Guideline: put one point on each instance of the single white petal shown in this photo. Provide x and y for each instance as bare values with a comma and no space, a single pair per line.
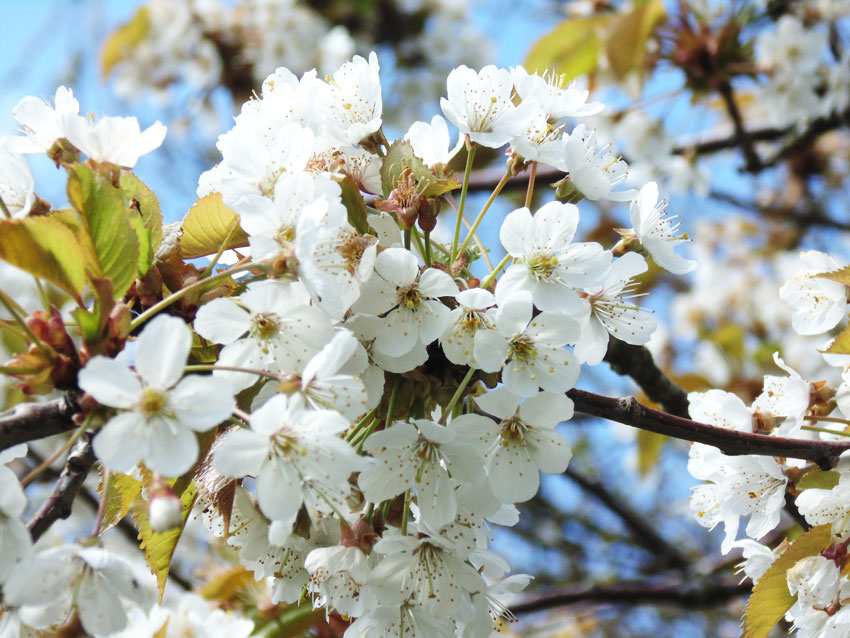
110,382
162,350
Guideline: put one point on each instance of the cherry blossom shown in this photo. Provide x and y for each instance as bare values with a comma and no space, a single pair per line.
160,411
655,231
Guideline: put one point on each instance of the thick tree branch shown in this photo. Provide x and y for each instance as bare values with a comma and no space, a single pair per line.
665,553
684,593
637,363
810,214
742,137
30,421
732,442
58,504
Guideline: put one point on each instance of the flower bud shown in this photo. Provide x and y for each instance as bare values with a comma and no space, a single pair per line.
165,511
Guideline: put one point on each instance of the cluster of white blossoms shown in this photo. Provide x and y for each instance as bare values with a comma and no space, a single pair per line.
759,487
365,357
805,81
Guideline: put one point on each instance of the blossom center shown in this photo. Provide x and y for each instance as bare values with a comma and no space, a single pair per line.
521,348
265,326
410,296
286,234
542,265
513,430
153,403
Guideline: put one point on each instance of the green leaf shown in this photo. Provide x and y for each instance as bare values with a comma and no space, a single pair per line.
625,42
571,49
818,479
122,493
144,235
841,343
354,204
770,598
159,546
841,275
106,220
123,40
207,225
144,200
47,248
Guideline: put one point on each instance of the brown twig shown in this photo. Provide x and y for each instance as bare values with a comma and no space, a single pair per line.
809,215
743,138
58,504
637,363
30,421
732,442
684,593
666,554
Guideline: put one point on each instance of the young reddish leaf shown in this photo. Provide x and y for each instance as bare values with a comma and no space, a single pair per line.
207,225
770,598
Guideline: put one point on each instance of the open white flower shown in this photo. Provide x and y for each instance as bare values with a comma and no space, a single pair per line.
608,310
479,104
287,447
557,102
475,311
656,233
355,104
406,302
529,349
546,263
159,411
522,443
819,304
16,184
113,139
43,124
594,172
421,456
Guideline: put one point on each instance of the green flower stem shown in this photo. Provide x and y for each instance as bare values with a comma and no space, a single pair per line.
484,210
532,174
824,430
470,155
243,265
366,420
230,233
405,513
429,259
457,395
407,235
831,419
486,281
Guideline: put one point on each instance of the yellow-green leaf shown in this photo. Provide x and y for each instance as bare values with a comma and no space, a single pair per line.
122,492
842,275
106,219
144,200
207,225
841,343
625,42
571,49
123,40
47,248
770,598
159,546
818,479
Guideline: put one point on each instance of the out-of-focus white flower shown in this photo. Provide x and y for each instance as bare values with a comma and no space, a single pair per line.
16,184
819,304
113,139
